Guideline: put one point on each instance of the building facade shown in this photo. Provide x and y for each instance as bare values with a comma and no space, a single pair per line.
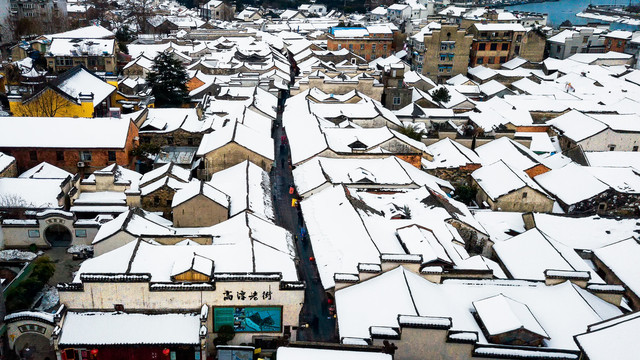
369,45
446,53
495,44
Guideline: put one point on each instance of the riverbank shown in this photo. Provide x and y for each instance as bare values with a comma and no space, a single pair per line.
559,11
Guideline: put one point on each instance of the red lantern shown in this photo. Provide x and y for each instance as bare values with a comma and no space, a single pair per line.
166,351
94,352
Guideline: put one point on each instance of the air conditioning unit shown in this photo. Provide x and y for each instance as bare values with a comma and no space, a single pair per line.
80,164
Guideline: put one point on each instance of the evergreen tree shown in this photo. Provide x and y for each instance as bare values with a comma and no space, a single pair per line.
167,80
441,95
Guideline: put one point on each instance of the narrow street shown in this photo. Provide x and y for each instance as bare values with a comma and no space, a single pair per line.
315,311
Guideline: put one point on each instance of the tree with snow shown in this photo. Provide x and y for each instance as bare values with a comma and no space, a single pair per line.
168,81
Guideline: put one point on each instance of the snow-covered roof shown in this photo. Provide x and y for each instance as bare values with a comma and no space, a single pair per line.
482,72
259,143
499,27
5,161
563,310
87,32
29,193
561,184
121,175
81,47
118,328
170,170
196,188
500,314
296,353
350,32
80,81
371,222
514,63
619,34
491,87
138,223
624,179
512,153
562,36
248,187
612,339
500,225
242,244
389,172
166,120
448,153
527,256
586,233
45,170
499,179
621,258
614,158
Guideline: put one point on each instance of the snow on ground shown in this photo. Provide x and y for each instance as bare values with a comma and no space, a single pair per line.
48,298
13,255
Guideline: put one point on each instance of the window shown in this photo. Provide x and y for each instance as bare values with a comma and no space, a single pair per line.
373,47
505,46
602,206
168,203
574,49
339,46
559,49
503,59
60,155
524,195
350,47
384,47
111,155
516,49
156,201
169,140
493,46
619,43
81,233
361,46
443,57
34,233
479,60
443,46
483,34
85,155
190,141
518,38
33,155
635,148
118,307
482,46
612,147
585,39
396,100
490,60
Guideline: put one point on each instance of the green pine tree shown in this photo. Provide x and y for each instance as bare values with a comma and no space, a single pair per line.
168,81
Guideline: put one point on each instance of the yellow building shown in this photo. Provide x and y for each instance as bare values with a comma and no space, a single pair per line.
76,93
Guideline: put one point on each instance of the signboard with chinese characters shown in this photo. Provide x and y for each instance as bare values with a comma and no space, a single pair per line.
242,295
249,319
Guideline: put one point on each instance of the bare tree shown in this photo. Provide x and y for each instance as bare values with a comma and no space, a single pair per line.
47,103
13,201
140,11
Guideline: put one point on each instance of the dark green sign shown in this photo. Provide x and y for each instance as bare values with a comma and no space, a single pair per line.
248,319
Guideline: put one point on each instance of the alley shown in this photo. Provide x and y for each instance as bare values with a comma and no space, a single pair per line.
315,311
